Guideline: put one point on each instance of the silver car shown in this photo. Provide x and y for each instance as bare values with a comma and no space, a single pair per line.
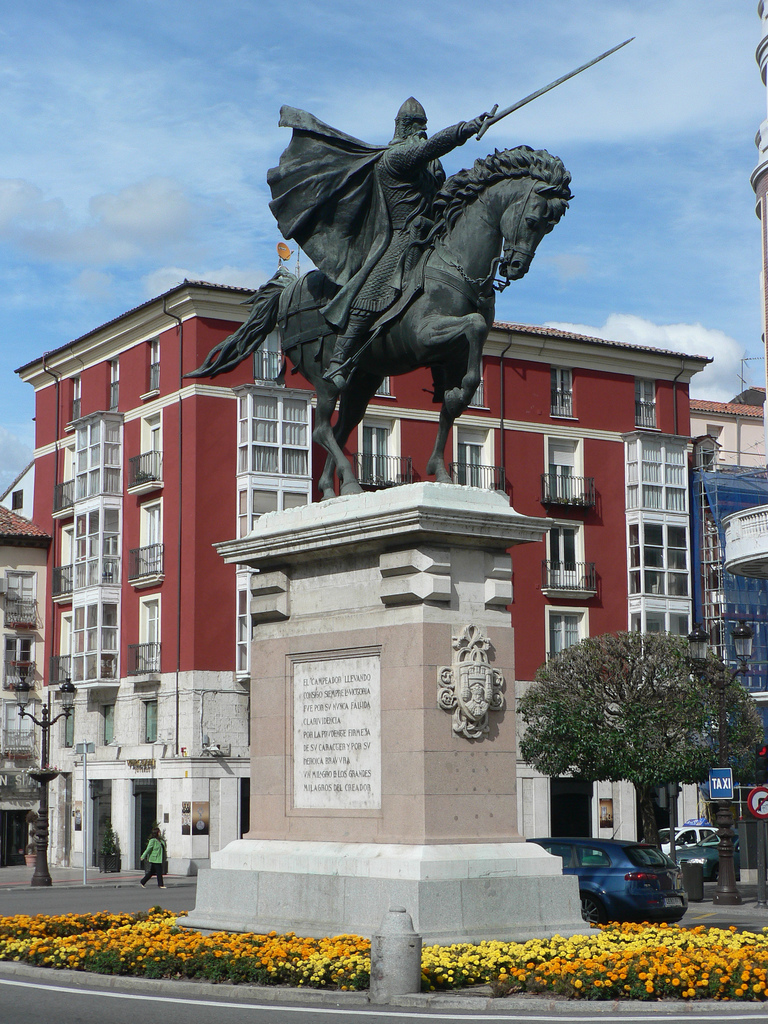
685,835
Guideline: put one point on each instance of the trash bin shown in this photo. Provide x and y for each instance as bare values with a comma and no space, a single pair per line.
693,881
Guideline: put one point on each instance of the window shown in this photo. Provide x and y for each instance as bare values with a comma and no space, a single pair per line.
114,383
564,629
657,475
97,548
94,642
645,403
562,557
375,453
98,458
17,500
150,721
243,631
384,389
472,463
18,732
20,601
154,365
108,720
19,660
561,391
660,621
561,457
76,396
658,559
267,358
273,434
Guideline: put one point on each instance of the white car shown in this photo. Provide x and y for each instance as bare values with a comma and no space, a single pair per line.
685,835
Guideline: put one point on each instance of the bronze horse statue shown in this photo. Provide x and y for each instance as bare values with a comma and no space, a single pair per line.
488,218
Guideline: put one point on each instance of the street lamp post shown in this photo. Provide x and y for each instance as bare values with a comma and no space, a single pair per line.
46,774
726,892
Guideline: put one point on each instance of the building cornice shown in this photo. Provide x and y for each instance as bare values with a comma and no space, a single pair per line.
580,352
140,324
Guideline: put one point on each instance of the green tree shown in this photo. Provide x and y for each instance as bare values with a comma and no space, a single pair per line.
634,707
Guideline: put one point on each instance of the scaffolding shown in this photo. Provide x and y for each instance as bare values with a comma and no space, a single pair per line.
720,599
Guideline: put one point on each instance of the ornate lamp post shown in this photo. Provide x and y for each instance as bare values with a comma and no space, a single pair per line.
726,892
45,774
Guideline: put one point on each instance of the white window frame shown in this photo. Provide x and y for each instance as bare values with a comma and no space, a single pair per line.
243,627
561,385
645,401
582,615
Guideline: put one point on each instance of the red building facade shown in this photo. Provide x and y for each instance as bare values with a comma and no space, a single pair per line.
140,470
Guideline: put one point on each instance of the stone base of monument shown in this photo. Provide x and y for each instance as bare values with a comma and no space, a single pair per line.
383,750
462,893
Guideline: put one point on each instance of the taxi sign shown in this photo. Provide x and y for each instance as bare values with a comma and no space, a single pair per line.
721,784
757,801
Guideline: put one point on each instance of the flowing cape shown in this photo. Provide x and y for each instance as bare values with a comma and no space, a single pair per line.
326,197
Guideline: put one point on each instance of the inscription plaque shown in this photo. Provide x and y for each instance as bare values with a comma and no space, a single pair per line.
337,734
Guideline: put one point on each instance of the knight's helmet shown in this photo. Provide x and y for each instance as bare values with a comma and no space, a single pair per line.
409,115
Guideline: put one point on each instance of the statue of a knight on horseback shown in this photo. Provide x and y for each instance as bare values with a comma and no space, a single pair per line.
407,264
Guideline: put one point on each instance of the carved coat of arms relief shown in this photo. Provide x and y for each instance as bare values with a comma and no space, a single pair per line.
470,687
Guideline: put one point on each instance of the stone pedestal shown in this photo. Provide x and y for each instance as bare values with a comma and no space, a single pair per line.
382,726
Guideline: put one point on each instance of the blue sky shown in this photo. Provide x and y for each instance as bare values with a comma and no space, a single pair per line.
137,137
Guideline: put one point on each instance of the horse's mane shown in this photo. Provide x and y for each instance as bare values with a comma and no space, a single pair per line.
465,186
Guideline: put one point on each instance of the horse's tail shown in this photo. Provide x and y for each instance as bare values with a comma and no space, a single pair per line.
247,338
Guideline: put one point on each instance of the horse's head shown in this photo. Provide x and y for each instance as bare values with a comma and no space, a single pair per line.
535,205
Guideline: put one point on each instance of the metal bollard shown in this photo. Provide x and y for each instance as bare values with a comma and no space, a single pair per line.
395,957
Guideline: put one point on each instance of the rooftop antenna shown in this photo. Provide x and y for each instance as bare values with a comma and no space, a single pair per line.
748,359
284,254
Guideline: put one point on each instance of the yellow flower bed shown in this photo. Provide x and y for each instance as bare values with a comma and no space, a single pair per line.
615,962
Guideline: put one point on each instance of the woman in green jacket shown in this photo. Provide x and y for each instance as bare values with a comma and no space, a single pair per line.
155,855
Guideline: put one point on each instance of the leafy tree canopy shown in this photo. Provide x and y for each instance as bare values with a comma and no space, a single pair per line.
635,707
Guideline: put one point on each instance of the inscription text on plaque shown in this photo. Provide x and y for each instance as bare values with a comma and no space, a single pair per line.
337,734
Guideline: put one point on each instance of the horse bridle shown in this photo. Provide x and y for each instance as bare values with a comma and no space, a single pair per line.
512,248
508,253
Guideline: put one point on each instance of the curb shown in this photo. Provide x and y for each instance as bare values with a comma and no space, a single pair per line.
476,1000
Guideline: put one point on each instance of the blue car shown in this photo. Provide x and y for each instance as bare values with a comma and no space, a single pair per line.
620,880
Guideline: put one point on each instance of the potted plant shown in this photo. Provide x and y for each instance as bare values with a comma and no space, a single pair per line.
109,853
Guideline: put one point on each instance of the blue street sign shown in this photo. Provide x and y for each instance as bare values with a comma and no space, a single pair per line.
721,783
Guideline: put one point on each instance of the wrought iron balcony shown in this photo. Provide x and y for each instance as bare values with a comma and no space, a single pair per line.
18,742
146,561
20,612
557,489
64,496
645,414
488,478
60,669
145,470
62,582
560,402
382,470
143,659
570,577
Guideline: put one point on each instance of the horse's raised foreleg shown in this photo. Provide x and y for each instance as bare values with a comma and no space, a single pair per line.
441,330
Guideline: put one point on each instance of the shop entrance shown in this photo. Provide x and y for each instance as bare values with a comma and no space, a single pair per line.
13,837
101,797
570,808
145,808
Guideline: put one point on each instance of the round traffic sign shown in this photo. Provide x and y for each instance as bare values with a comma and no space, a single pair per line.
757,801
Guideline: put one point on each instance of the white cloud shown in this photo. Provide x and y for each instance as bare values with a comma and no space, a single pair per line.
164,278
120,227
719,381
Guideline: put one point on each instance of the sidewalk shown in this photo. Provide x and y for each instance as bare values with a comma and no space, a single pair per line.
19,875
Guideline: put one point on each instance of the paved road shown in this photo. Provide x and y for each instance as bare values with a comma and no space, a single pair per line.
78,998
